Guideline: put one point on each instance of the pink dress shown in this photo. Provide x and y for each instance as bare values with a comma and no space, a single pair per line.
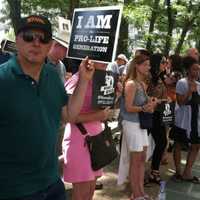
77,164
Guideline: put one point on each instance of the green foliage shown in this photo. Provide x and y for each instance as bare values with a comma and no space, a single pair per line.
137,13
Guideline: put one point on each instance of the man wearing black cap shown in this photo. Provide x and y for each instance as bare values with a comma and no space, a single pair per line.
32,101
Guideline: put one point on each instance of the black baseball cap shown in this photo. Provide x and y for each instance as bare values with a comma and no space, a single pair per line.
35,22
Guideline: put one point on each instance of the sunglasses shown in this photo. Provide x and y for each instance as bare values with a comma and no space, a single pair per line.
29,36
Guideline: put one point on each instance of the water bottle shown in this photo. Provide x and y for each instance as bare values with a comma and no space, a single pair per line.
162,192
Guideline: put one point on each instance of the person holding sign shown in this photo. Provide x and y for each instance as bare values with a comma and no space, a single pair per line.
33,101
135,139
77,164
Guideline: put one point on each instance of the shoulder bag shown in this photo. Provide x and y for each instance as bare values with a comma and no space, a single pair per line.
101,147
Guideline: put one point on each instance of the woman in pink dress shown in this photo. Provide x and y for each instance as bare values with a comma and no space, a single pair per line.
77,165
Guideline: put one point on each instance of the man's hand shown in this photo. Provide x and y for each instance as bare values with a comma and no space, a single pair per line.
86,69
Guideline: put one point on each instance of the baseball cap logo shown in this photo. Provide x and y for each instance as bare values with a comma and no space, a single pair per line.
34,19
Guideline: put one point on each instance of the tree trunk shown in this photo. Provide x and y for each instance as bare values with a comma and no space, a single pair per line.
123,37
152,23
185,29
123,34
171,20
188,25
72,4
15,12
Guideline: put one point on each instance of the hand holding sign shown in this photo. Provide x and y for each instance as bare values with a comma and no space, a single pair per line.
95,33
105,114
86,69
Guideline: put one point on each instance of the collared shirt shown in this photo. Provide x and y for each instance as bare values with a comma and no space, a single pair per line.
60,68
4,57
30,114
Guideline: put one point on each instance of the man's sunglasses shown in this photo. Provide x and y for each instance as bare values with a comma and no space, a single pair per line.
29,36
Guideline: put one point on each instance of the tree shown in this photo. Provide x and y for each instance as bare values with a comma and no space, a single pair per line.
152,22
15,12
73,4
164,24
193,11
171,14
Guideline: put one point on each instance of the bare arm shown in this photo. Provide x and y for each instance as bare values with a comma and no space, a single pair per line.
130,90
70,112
183,99
99,115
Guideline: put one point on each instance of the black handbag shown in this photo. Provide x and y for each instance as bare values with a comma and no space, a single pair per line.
102,147
146,120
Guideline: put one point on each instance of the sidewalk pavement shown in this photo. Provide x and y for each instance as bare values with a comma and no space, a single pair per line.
175,191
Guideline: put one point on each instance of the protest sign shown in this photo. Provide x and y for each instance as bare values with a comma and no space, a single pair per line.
64,25
103,90
9,46
62,32
95,33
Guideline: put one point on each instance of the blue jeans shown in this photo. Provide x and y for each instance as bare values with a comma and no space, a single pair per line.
55,191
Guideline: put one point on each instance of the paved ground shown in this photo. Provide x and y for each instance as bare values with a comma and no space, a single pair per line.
175,191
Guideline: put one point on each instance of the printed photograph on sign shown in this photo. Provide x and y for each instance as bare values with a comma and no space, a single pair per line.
9,46
104,85
64,25
95,33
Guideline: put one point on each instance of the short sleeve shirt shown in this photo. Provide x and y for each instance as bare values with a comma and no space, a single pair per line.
30,115
182,114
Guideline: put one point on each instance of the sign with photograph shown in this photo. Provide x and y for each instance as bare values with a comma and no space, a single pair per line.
64,25
166,113
95,33
9,46
103,91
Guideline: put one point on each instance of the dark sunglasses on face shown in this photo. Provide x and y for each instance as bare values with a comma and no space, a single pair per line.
29,36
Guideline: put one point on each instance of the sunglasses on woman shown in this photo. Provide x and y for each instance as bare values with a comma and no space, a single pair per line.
29,36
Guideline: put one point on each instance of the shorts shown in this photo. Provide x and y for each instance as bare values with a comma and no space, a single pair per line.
134,137
194,137
179,135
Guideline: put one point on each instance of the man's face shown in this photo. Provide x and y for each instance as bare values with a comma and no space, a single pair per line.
33,46
59,51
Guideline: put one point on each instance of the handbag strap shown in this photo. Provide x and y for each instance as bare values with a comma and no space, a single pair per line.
83,129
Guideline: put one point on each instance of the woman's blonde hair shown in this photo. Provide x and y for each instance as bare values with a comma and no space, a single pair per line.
138,60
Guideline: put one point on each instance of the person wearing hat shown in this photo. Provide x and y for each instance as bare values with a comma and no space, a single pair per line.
57,53
121,62
33,101
117,64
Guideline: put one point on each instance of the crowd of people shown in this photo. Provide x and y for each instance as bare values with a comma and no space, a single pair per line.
151,80
40,96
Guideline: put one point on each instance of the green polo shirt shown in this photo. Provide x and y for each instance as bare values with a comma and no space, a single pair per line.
30,114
